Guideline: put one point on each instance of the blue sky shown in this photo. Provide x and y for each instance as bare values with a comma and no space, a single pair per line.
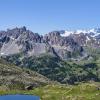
43,16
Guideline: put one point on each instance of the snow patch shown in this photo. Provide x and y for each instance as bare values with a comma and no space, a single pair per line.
66,33
2,53
92,32
12,38
87,38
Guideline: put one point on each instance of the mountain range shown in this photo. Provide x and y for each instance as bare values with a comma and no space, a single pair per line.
63,44
63,56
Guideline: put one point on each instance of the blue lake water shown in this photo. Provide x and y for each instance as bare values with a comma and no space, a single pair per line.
19,97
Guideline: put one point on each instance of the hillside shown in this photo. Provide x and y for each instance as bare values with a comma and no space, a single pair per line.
13,77
69,72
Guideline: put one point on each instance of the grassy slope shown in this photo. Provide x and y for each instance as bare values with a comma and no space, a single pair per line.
83,91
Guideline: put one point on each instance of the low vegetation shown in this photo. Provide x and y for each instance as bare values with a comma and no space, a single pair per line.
83,91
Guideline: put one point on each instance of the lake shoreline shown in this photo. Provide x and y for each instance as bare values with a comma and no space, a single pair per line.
19,97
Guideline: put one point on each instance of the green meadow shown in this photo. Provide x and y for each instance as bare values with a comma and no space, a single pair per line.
83,91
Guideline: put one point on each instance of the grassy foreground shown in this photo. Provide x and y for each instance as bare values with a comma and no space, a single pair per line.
83,91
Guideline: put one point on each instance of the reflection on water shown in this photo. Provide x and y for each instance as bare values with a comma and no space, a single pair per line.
19,97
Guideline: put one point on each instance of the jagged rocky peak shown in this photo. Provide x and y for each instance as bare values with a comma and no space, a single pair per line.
15,32
58,43
82,37
63,45
18,40
52,37
21,34
55,38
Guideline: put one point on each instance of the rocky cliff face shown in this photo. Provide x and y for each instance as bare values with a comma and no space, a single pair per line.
63,46
21,40
59,43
